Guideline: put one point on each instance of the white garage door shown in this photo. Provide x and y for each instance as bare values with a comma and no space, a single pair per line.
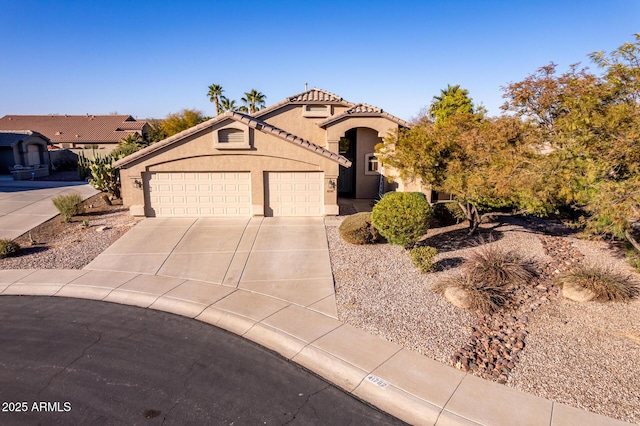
200,193
294,193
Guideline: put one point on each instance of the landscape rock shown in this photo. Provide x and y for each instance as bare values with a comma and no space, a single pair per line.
577,293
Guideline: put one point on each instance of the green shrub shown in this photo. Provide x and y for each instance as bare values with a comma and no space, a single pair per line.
8,248
402,217
69,205
422,257
358,229
490,264
606,284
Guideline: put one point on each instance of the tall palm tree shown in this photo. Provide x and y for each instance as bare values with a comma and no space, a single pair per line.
227,104
254,100
453,99
215,91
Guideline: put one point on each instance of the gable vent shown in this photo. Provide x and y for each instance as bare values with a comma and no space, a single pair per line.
231,136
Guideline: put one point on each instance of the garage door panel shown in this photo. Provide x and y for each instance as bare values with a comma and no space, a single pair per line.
200,193
295,193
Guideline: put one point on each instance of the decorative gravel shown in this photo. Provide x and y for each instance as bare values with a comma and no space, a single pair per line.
584,355
59,245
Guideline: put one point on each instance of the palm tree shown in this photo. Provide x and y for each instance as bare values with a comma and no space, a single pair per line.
254,100
215,91
452,100
227,104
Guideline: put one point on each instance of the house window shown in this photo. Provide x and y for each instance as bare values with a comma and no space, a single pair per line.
371,164
316,111
231,138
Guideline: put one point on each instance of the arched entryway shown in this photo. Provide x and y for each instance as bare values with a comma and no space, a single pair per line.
362,179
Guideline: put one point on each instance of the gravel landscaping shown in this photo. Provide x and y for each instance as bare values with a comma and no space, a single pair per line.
581,354
56,244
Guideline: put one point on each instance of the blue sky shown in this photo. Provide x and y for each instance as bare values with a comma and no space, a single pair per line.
150,58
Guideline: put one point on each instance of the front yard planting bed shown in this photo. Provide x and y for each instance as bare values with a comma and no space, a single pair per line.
581,354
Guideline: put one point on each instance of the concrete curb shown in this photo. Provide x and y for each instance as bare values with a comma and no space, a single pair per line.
405,384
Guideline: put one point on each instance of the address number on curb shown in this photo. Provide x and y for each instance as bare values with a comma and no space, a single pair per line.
377,381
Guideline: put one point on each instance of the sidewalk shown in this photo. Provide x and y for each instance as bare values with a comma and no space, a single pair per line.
403,383
26,204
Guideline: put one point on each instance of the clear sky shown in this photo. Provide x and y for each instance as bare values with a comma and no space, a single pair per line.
150,58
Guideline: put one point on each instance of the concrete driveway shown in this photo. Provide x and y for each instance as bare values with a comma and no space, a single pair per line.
26,204
285,258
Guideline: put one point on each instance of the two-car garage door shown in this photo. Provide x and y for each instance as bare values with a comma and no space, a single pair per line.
200,193
229,193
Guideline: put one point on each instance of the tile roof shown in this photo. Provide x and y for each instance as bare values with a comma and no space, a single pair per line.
364,110
242,118
314,95
10,138
76,128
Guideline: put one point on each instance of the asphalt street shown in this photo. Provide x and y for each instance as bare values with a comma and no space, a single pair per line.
74,361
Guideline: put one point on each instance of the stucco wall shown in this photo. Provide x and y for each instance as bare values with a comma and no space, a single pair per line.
197,153
290,118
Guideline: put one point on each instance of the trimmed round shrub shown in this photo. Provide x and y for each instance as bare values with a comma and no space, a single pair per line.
402,217
8,248
358,229
422,257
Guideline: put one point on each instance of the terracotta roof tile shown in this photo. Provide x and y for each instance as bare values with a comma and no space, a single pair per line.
76,128
364,110
314,95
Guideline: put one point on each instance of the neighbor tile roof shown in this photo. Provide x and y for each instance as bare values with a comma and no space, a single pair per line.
10,138
243,118
364,110
76,128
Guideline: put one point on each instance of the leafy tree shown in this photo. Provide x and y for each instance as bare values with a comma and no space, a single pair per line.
179,121
590,127
453,100
254,100
156,132
485,164
214,94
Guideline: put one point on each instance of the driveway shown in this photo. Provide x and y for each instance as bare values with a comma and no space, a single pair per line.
285,258
26,204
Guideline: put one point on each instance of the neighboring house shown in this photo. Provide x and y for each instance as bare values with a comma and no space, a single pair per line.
78,131
291,159
23,152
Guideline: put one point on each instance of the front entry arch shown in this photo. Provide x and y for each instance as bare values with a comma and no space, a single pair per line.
362,179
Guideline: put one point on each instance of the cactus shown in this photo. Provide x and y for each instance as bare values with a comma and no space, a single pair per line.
105,177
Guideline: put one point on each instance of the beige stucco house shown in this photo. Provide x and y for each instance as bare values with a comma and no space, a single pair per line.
293,158
24,154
